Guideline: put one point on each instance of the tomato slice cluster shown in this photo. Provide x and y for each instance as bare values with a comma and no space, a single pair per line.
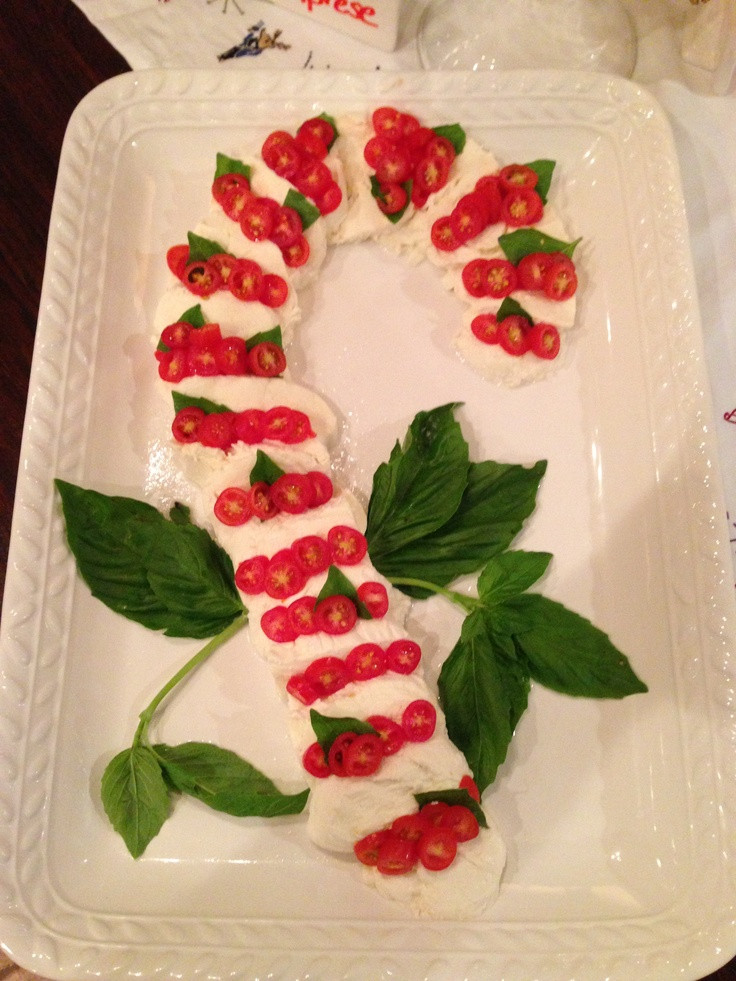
402,151
352,754
300,160
363,662
551,273
516,335
429,836
185,350
291,493
222,430
262,218
243,278
308,556
496,278
333,615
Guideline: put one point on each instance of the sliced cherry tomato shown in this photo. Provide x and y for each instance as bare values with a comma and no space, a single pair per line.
374,597
489,188
287,227
419,720
374,149
266,359
367,849
322,488
544,341
363,756
277,625
202,361
396,856
284,575
475,277
522,206
314,178
485,327
403,656
443,235
387,122
432,172
311,145
260,501
257,220
330,199
440,148
298,687
250,576
560,279
349,546
467,783
392,199
418,140
392,735
336,754
408,125
281,153
232,506
327,675
531,270
235,201
226,183
217,430
173,365
274,290
393,166
513,334
433,811
437,849
176,335
202,278
292,493
297,254
231,356
501,278
206,336
301,614
515,176
177,259
320,127
468,217
313,554
461,822
246,280
314,761
301,427
336,614
187,421
366,661
278,423
250,426
410,827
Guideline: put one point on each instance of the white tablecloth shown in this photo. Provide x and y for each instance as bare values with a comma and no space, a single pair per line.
203,33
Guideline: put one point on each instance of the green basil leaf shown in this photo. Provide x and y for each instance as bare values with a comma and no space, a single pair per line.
512,308
510,574
193,316
565,652
333,124
273,336
497,500
229,165
483,692
544,170
164,574
225,781
327,729
180,514
421,485
308,212
524,241
265,470
377,192
135,797
200,249
454,133
338,584
182,401
453,797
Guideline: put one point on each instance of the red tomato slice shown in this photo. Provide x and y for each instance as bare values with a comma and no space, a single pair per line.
367,849
314,761
301,427
544,341
531,270
432,172
232,506
489,188
375,597
467,783
231,356
274,290
301,614
260,501
513,334
281,154
287,227
437,849
284,575
250,576
515,176
391,733
322,488
246,280
485,327
177,259
443,235
387,122
318,127
313,178
202,361
296,255
522,206
336,754
234,202
475,277
330,199
560,280
173,365
292,493
206,336
277,626
408,125
366,661
501,278
250,426
468,217
396,856
349,546
298,687
363,756
433,811
266,359
176,335
393,166
418,720
392,199
279,423
313,554
327,675
311,145
410,827
374,149
461,822
202,278
441,148
403,656
336,614
217,430
187,421
226,183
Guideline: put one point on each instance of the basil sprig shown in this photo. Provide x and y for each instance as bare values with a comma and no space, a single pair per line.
434,516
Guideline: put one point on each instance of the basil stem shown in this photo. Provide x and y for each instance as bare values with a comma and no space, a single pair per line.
468,603
141,733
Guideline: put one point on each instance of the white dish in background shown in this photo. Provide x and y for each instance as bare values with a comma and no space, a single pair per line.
616,814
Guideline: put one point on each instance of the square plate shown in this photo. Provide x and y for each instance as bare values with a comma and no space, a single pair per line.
615,814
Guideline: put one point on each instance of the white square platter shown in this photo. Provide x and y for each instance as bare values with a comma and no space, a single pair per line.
618,816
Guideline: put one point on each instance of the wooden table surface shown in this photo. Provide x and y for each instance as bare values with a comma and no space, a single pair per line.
51,57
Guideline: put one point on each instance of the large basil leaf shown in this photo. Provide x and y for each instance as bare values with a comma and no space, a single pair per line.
135,797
